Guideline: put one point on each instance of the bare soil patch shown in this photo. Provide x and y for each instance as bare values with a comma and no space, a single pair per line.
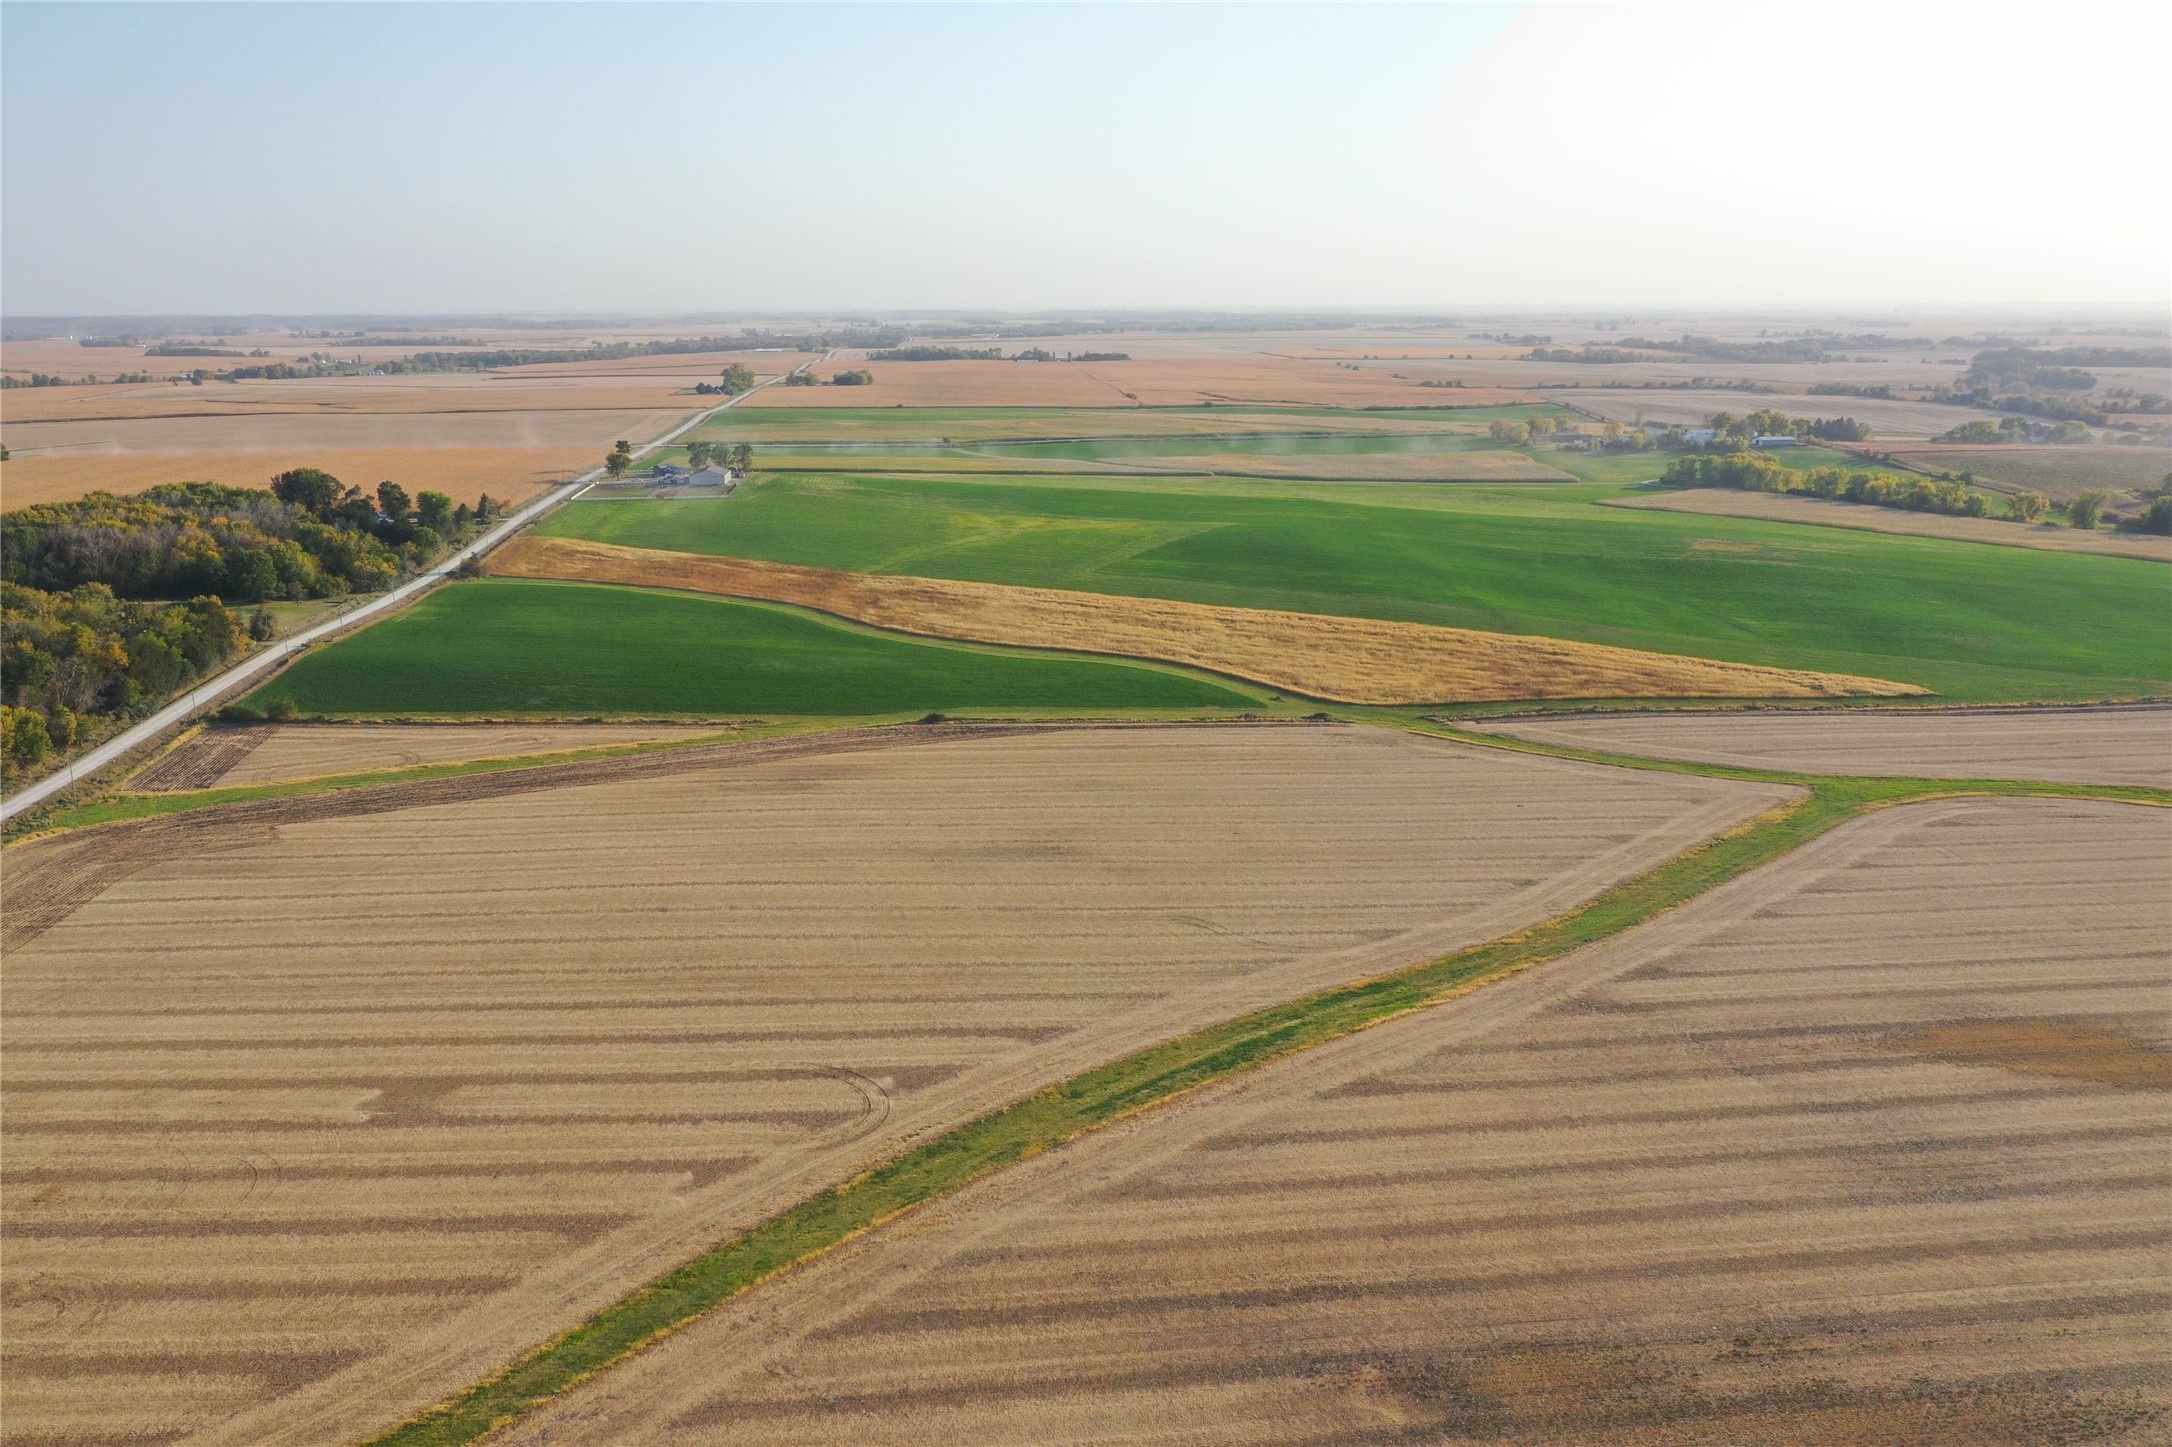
1352,660
1674,1189
2058,1048
318,1109
1790,508
199,761
2080,746
279,753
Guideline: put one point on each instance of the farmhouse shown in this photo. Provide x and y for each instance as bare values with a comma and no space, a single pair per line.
1695,435
710,475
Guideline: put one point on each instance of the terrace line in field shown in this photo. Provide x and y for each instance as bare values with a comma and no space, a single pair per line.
1348,660
2080,746
1857,1148
313,1123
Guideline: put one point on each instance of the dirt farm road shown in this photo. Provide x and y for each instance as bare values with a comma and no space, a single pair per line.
184,707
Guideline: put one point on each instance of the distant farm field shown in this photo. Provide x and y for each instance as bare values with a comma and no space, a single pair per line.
509,474
1825,512
508,648
2057,472
1466,455
783,419
1157,382
1534,560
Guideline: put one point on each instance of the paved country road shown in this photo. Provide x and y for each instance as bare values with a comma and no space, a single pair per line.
186,706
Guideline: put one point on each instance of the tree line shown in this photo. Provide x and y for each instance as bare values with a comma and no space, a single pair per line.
1755,472
72,660
307,536
923,353
2012,429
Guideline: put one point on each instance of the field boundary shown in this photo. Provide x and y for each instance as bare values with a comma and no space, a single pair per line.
1169,1071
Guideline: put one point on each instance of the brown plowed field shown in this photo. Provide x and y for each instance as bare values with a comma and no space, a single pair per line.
1350,660
510,474
277,753
1788,508
2082,746
1166,382
320,1108
1784,1166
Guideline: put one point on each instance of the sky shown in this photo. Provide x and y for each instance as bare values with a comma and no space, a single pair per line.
458,158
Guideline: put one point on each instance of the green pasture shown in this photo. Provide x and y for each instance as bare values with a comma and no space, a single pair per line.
506,648
1971,622
983,424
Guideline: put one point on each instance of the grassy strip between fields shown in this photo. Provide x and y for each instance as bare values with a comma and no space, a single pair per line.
121,805
1165,1072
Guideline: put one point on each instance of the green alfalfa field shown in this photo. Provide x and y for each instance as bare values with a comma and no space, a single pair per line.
1971,622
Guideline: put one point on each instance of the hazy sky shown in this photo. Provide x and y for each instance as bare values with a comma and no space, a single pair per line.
402,158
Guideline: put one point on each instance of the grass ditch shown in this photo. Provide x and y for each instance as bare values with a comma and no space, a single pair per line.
1166,1072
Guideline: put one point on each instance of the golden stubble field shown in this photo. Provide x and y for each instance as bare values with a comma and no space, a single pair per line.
229,756
1349,660
320,1108
1863,1148
508,474
2083,746
1157,382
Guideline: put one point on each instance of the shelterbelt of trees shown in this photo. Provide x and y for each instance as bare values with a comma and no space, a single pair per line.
307,536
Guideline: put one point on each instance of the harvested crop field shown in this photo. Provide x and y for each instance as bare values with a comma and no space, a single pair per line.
1350,660
1864,1147
510,474
290,431
321,1108
231,756
1169,382
344,397
2081,746
1890,420
2058,472
1443,466
1824,512
781,418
